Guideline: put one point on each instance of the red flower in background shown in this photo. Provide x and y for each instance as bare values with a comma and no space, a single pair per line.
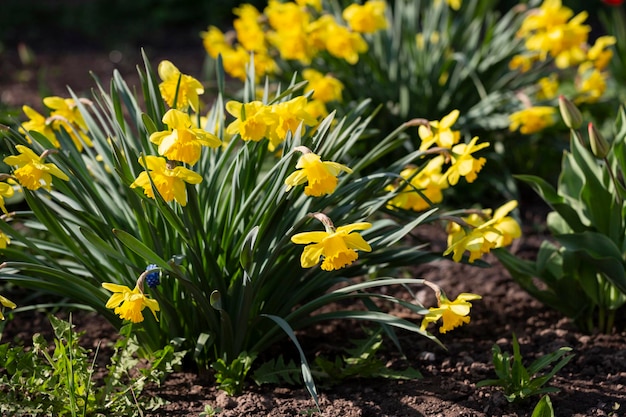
613,2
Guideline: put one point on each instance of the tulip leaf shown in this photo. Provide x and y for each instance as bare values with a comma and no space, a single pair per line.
599,251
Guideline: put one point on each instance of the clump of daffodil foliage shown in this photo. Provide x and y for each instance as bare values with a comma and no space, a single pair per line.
233,226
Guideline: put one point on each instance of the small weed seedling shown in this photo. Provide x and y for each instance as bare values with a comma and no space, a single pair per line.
519,382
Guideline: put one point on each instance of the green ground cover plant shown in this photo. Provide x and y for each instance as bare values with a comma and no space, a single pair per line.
58,379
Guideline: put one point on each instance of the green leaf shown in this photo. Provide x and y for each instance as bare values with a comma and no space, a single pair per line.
597,250
554,200
140,249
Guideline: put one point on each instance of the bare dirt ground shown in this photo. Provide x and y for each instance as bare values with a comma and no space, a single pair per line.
592,384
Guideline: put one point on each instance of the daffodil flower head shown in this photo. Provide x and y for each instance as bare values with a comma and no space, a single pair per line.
129,304
320,176
286,117
463,163
533,119
178,89
169,181
338,247
5,302
326,88
32,172
452,313
6,190
420,187
252,120
4,240
482,232
182,141
39,123
439,132
366,18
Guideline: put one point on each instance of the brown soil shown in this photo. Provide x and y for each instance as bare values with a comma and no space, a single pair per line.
592,384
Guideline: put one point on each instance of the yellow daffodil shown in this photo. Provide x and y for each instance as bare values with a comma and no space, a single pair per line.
482,232
428,181
463,163
337,246
6,190
4,240
440,132
452,313
32,171
252,120
214,41
182,141
250,34
128,304
366,18
174,81
170,182
533,119
326,88
548,87
6,303
287,117
599,53
523,63
65,114
592,84
320,176
40,124
341,43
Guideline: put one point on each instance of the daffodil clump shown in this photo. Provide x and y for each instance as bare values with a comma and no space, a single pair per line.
554,36
218,212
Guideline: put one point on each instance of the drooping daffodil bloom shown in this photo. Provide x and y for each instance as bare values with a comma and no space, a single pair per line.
39,123
169,180
182,141
32,172
420,187
179,90
4,240
5,303
66,115
320,176
325,88
6,190
452,313
129,304
483,232
338,247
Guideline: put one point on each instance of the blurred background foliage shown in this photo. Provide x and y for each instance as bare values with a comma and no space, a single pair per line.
116,23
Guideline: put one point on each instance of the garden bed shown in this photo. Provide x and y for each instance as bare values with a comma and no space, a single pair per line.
592,384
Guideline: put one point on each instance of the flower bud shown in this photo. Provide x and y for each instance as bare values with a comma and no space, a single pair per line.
570,113
599,146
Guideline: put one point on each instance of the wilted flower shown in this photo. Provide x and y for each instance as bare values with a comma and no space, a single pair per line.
337,246
32,172
128,303
170,182
179,90
6,303
182,141
453,313
320,176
